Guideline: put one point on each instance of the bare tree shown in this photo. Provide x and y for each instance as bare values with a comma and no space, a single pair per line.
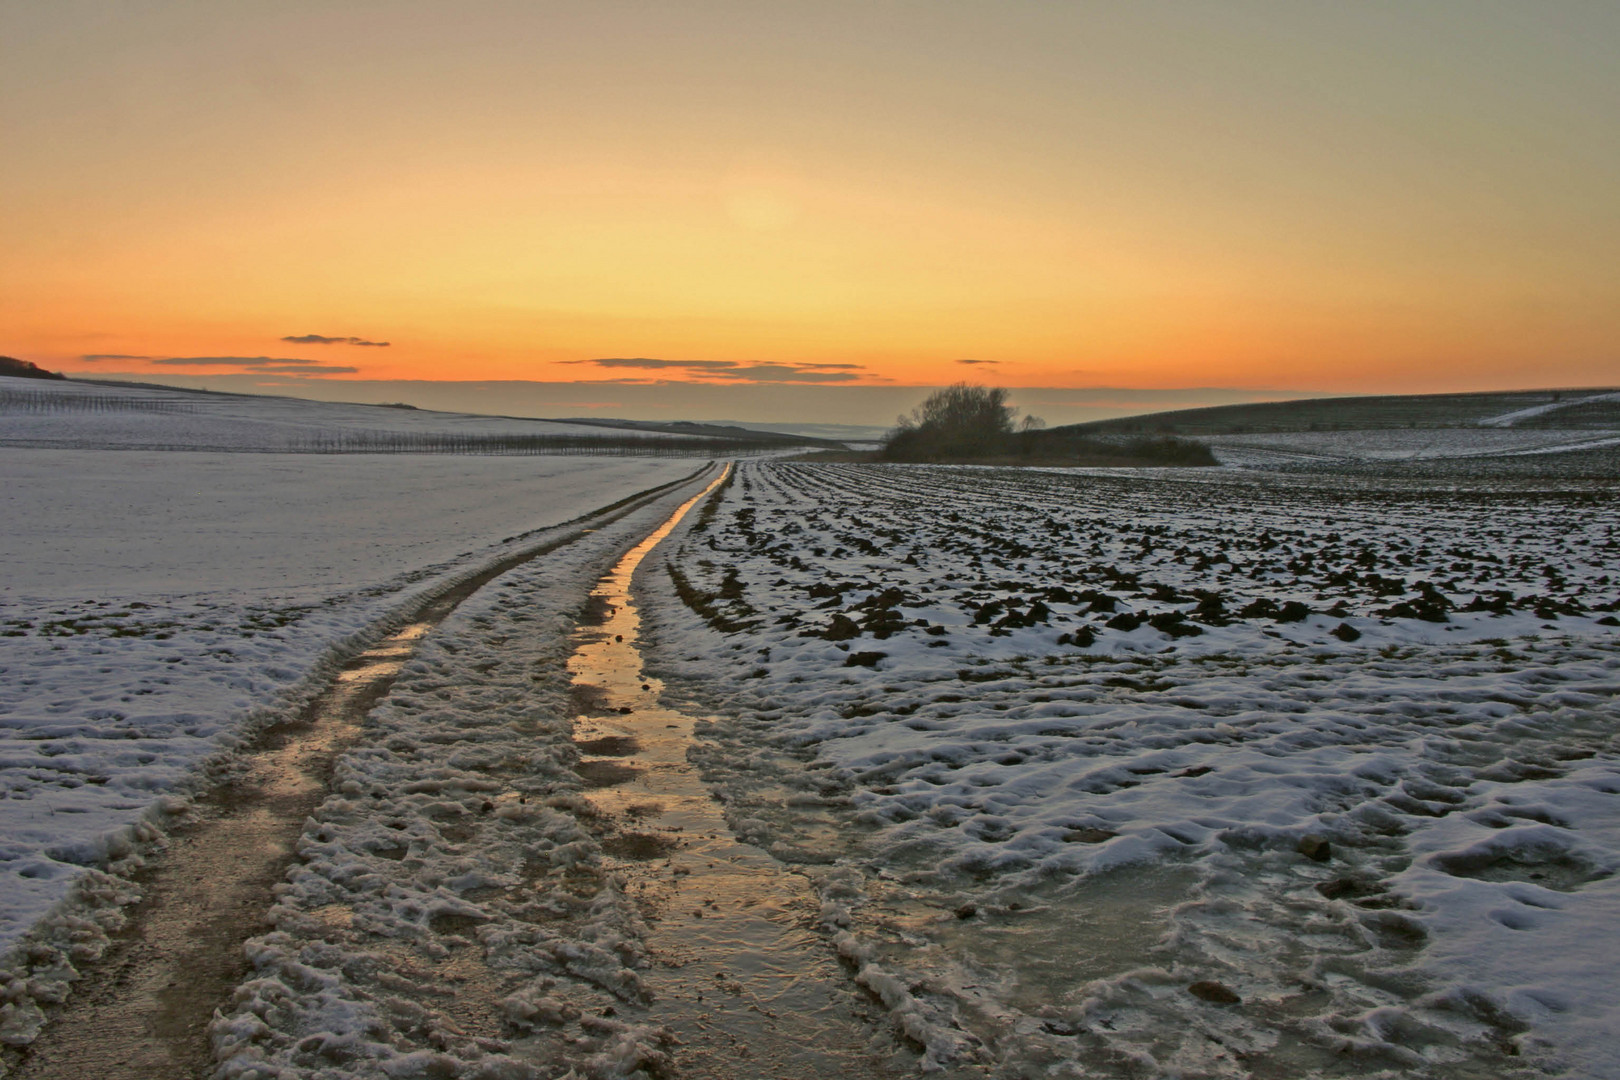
960,421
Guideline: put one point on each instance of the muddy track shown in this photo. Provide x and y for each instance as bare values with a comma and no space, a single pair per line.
740,973
142,1011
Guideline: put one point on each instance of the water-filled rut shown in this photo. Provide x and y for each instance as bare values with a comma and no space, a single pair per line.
143,1010
740,975
510,921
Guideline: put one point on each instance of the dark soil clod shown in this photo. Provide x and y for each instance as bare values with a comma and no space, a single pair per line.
1215,993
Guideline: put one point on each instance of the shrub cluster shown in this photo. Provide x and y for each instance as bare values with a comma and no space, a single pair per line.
966,423
1160,450
960,421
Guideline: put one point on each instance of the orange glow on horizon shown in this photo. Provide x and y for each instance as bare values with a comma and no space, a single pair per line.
1075,199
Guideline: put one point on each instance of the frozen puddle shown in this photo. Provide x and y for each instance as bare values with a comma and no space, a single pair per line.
739,974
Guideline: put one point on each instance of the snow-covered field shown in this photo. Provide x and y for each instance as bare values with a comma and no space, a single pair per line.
1468,453
1294,769
155,606
1416,443
1536,411
1199,773
104,416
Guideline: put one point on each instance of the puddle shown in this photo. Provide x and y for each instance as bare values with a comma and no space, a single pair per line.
740,974
611,746
1048,951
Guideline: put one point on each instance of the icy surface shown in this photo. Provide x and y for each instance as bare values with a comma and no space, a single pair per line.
1175,773
151,604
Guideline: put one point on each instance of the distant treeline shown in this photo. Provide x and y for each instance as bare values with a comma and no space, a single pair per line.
26,369
1057,448
1148,450
42,403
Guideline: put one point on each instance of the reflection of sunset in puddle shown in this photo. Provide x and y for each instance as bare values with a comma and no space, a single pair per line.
740,974
384,659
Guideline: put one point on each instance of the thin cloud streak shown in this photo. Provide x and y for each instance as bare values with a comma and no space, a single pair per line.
653,365
322,339
734,372
260,365
233,361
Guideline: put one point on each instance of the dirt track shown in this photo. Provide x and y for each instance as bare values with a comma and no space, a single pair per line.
142,1012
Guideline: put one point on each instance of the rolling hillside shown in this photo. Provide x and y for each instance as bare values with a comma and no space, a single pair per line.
1588,408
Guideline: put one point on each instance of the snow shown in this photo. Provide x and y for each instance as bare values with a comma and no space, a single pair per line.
1501,456
155,607
106,416
1585,444
455,850
1510,418
1415,445
1213,773
1045,837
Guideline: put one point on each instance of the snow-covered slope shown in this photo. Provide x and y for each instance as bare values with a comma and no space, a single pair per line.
107,416
1510,418
153,605
1417,450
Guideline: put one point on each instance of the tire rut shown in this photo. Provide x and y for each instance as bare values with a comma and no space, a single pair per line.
142,1011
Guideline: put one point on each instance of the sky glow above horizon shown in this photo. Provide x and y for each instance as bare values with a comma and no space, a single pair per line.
1363,198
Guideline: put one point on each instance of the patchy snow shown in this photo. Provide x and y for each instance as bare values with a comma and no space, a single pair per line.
1511,418
1212,773
451,915
1416,444
1177,774
154,606
1585,444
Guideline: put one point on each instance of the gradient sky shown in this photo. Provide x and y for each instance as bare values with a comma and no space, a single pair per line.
1366,197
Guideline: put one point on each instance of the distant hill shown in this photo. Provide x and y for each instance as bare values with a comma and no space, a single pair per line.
26,369
844,433
711,430
1590,408
761,436
113,414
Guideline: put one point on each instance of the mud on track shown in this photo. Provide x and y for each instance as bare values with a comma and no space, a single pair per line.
739,976
486,892
143,1011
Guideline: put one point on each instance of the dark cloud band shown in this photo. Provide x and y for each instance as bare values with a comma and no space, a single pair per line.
233,361
322,339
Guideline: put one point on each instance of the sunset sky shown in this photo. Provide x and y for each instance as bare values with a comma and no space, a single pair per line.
1317,196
